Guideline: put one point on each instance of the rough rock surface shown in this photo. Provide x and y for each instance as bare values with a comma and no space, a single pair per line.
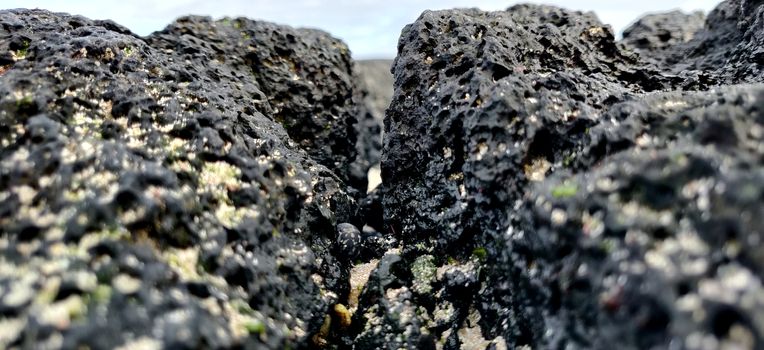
651,35
177,191
317,100
546,186
555,188
730,44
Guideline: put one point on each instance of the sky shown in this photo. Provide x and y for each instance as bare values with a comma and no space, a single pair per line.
370,27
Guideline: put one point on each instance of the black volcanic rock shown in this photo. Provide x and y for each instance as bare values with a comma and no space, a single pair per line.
731,43
555,188
652,34
655,244
312,87
149,194
545,185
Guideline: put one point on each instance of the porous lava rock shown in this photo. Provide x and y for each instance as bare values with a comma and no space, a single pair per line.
313,88
545,185
653,34
176,191
553,187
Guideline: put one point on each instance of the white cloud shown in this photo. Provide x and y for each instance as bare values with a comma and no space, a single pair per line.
370,27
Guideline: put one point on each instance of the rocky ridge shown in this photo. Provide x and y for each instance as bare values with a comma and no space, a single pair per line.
567,190
545,185
179,190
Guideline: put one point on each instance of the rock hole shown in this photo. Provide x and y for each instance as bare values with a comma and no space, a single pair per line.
459,70
683,288
28,233
499,71
724,319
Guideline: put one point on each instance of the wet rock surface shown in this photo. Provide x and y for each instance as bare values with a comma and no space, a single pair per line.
567,190
545,185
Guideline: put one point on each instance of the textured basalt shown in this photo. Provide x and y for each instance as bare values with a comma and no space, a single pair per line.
178,191
545,185
567,190
653,34
312,87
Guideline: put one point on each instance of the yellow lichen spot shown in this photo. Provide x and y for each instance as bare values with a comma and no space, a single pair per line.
128,51
536,170
320,338
181,166
49,291
595,31
62,313
21,53
183,262
344,315
218,178
220,174
231,216
92,239
108,54
75,195
173,147
456,176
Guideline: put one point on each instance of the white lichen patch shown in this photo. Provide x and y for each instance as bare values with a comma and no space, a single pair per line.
674,104
444,312
593,225
218,178
219,174
84,122
467,268
177,146
180,166
126,284
230,216
90,240
142,343
359,276
424,271
184,262
559,217
634,213
447,153
62,313
596,31
10,329
25,194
